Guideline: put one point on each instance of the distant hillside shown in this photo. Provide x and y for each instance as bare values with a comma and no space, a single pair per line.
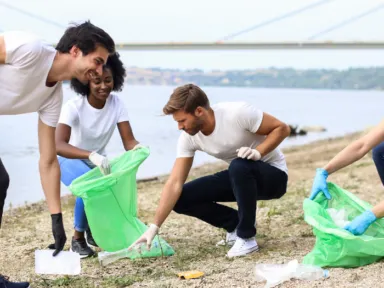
354,78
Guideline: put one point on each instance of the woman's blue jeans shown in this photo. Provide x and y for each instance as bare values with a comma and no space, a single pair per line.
378,158
70,170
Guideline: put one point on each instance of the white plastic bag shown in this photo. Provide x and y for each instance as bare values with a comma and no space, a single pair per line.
275,274
340,217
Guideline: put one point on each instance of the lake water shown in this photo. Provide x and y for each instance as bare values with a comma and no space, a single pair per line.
340,112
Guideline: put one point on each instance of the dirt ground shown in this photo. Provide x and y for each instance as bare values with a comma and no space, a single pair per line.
283,235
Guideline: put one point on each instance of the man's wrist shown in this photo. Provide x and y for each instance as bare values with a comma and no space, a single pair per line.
154,226
370,215
258,153
322,171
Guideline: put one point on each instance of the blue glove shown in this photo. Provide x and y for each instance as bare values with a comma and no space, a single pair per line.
361,223
320,184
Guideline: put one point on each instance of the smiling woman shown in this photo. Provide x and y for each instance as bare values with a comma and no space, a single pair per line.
86,125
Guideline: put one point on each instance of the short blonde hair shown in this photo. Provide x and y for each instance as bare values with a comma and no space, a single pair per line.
187,97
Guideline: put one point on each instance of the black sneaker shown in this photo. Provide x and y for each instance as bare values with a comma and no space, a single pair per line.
90,239
5,283
80,246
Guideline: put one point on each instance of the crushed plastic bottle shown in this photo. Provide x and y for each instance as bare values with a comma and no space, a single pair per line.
158,247
276,274
340,217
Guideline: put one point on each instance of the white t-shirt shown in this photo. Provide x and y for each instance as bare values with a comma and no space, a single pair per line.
91,128
236,125
23,78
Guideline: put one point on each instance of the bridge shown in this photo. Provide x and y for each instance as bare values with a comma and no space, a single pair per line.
150,46
224,43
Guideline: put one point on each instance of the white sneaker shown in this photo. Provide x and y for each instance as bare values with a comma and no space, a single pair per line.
230,239
243,247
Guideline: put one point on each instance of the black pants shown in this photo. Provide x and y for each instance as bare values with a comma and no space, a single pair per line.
4,184
245,182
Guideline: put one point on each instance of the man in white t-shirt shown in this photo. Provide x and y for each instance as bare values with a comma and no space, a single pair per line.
31,75
243,136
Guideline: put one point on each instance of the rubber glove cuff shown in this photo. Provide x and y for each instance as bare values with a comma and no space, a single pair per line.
322,171
370,216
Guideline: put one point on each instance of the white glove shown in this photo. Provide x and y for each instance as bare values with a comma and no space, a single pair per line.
248,153
147,236
101,162
138,146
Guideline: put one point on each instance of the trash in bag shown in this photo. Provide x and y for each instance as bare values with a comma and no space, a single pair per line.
110,203
334,245
275,274
340,217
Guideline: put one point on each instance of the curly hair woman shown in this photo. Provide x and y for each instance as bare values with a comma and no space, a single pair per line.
85,127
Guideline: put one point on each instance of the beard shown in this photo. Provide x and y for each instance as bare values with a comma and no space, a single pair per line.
196,127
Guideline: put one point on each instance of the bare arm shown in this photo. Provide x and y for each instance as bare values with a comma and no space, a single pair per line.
172,189
49,167
2,50
276,132
378,210
356,150
63,134
126,134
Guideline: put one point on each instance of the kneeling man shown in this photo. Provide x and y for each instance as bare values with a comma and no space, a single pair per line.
243,136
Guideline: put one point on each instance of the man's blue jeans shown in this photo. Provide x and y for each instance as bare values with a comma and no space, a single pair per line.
70,170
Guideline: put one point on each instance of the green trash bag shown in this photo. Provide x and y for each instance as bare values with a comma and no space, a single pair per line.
334,245
111,204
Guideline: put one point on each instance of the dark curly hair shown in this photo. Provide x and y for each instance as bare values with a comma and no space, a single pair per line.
118,73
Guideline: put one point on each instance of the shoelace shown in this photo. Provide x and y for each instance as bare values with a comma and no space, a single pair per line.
239,243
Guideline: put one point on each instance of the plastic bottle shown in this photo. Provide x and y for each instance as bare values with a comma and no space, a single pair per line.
158,247
276,274
106,258
310,272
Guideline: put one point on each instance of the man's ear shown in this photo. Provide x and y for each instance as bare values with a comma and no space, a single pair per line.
199,111
74,51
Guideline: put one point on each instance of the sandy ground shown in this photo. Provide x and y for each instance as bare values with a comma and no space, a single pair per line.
283,235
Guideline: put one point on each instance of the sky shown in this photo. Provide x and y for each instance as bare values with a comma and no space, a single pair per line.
211,20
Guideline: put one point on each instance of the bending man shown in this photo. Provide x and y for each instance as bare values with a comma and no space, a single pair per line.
31,75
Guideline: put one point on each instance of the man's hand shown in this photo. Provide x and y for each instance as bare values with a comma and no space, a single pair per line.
101,162
138,146
320,184
248,153
361,223
147,236
58,233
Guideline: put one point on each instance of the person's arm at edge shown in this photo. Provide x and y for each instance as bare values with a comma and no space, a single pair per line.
356,150
3,53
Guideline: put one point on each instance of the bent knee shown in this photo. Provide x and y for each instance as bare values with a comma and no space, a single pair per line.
239,165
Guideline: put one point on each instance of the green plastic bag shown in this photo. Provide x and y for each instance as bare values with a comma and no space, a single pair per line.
111,204
334,245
